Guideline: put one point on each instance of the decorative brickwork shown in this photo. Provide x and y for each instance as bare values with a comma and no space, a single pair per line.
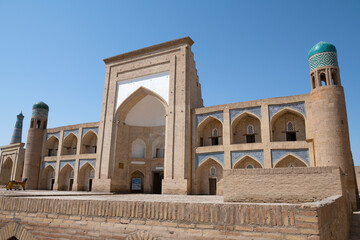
323,59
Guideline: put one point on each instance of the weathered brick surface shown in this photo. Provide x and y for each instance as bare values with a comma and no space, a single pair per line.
67,219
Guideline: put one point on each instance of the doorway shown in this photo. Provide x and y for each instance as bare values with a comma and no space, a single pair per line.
212,186
157,182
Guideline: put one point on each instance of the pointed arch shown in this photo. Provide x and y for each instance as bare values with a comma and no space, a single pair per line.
52,145
205,132
133,99
290,160
245,160
158,147
6,170
138,148
66,177
135,185
14,229
89,142
86,176
239,128
69,146
278,123
47,178
206,182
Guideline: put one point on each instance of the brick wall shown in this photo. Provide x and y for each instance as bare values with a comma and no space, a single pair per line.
93,219
294,185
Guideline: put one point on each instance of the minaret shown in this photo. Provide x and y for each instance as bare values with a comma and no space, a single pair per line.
328,115
17,134
34,144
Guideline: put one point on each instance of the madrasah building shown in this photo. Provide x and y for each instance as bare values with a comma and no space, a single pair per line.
155,135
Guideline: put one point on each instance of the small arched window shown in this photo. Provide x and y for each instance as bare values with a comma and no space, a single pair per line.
250,129
334,80
290,127
92,173
53,175
322,79
44,126
72,174
212,171
38,123
32,123
313,81
215,132
249,166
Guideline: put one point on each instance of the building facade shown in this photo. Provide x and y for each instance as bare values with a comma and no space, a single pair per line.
155,135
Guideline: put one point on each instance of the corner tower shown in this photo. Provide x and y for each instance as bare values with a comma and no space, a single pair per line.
328,115
34,144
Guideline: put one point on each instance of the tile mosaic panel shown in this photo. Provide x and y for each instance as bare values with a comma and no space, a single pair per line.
64,162
52,163
322,60
57,134
298,106
256,154
202,117
236,112
39,113
74,131
219,156
277,154
91,161
94,129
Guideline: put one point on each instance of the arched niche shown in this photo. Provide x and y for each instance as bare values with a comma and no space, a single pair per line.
158,147
280,126
89,143
290,161
209,177
47,178
66,178
86,176
137,182
138,148
6,170
51,146
69,145
247,162
210,132
240,128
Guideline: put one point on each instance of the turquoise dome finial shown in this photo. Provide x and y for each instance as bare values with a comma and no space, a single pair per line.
41,105
321,47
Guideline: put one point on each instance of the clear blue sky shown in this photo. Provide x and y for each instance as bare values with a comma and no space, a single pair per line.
244,50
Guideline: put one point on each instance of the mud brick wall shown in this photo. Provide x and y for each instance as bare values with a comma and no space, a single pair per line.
30,218
292,185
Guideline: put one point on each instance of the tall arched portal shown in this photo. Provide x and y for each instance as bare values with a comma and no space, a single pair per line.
6,170
141,121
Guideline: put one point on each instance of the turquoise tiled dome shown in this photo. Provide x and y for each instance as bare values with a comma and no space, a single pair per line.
41,105
321,47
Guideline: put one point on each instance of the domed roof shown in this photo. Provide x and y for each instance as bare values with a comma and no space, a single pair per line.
41,105
321,47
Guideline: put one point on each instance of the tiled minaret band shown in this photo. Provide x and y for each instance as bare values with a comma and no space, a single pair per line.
17,134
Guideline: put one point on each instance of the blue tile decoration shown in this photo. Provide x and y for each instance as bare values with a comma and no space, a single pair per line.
49,135
91,161
323,59
298,106
52,163
94,129
39,113
74,131
64,162
201,157
278,154
201,117
256,154
234,113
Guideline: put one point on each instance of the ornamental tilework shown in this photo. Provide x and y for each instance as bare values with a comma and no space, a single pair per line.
277,154
237,155
74,131
202,117
219,156
94,129
49,135
42,113
236,112
52,163
298,106
91,161
322,60
64,162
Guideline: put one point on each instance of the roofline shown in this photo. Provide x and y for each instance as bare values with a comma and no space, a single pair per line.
185,40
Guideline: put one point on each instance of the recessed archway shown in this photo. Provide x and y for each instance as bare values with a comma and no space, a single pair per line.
246,128
89,143
51,146
69,145
290,161
66,178
47,178
6,170
210,132
137,182
281,122
209,177
86,176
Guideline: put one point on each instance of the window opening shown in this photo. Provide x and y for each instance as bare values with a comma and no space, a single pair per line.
250,136
201,142
38,123
215,137
249,166
323,79
212,171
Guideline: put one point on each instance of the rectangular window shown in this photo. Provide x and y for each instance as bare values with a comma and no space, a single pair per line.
201,143
215,141
291,136
250,138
